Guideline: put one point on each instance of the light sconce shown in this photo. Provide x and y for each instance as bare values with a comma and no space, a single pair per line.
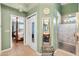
46,10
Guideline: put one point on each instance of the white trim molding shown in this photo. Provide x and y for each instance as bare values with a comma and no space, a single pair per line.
24,31
6,50
0,27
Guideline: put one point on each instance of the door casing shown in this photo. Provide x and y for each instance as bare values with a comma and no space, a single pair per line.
0,27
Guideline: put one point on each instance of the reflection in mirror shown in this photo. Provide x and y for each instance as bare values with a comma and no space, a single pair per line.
32,31
46,30
46,26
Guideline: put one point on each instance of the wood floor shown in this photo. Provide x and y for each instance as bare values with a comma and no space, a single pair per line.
19,50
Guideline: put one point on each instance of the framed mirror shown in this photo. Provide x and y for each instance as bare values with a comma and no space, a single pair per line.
46,30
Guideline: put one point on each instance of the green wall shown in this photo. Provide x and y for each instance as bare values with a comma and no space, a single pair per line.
69,8
78,7
5,20
39,9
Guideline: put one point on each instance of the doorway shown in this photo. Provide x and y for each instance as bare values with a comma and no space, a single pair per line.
17,30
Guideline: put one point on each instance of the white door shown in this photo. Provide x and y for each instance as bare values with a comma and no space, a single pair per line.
34,44
29,29
32,23
28,32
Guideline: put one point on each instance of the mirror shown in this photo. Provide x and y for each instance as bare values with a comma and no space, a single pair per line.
33,26
46,25
46,30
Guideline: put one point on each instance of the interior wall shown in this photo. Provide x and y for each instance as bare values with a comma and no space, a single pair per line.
6,13
78,7
69,8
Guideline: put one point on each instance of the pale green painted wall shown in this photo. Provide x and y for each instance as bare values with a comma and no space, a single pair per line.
69,8
78,7
5,20
39,10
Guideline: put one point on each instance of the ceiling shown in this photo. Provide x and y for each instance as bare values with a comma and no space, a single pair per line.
24,6
64,3
21,6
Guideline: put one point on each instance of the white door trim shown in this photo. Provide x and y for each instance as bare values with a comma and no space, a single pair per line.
24,31
35,13
0,27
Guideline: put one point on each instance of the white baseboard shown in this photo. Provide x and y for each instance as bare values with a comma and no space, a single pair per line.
6,50
38,53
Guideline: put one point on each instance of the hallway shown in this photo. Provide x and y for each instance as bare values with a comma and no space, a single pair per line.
45,29
19,50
